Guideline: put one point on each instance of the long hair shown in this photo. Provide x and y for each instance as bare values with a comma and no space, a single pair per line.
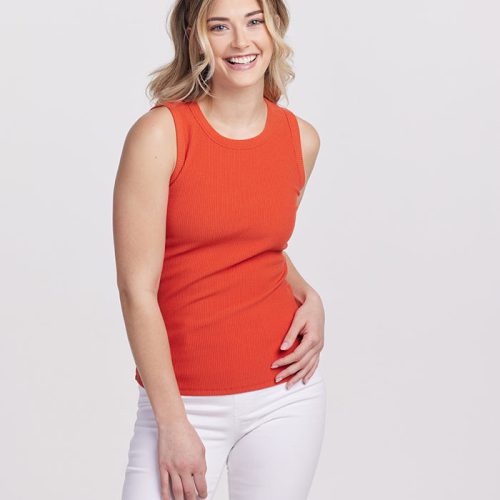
188,76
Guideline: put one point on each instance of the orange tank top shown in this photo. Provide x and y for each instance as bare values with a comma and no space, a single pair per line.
231,210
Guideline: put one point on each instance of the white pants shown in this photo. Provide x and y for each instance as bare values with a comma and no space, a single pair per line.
269,440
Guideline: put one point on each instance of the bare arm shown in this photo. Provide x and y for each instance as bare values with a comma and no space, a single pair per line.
301,289
139,215
308,321
310,142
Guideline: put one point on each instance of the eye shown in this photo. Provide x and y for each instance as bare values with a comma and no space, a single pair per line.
253,22
213,28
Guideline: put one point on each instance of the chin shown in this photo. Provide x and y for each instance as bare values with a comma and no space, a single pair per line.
243,83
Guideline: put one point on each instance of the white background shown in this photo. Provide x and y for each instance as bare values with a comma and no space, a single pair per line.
398,231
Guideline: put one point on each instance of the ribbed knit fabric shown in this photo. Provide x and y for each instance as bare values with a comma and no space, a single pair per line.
231,210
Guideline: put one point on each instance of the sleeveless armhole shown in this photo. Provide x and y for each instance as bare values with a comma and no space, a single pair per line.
180,138
297,147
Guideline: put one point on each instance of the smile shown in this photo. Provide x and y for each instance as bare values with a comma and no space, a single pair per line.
242,60
241,63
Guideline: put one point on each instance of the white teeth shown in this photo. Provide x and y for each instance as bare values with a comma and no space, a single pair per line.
242,60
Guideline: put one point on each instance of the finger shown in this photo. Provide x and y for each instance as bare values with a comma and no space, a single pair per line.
311,371
177,488
201,484
299,365
296,327
188,486
300,374
164,484
308,344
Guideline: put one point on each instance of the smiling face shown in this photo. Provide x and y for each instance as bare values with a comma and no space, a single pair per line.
240,42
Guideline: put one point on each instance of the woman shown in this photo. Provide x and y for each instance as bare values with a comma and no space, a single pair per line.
220,323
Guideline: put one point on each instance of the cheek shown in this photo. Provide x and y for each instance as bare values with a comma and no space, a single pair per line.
218,46
265,44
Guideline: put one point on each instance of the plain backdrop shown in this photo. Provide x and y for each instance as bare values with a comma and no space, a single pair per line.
398,231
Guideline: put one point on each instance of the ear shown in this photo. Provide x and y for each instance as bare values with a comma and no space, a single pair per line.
277,20
188,30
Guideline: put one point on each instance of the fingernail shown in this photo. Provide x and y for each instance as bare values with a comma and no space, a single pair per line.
285,345
278,378
274,365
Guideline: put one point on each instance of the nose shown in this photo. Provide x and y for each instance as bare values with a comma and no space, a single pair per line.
239,39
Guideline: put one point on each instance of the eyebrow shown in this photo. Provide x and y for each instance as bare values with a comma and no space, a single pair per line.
227,18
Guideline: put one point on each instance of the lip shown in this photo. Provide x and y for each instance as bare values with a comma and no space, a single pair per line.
242,67
242,55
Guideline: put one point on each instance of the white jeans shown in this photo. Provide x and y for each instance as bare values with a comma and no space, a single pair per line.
269,440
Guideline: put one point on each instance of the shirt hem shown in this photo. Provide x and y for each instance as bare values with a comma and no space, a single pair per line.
230,390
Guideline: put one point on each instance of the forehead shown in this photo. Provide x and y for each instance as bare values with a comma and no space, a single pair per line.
233,8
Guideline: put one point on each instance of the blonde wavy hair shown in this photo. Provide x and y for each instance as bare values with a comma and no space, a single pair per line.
188,76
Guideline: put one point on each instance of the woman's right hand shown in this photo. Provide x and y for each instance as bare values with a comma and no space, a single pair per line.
181,458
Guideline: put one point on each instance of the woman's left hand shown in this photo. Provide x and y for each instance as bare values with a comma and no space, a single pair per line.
309,321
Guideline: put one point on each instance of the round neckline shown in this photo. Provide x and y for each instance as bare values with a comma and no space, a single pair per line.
249,142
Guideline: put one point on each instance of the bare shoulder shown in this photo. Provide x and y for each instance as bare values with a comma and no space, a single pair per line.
151,142
310,142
